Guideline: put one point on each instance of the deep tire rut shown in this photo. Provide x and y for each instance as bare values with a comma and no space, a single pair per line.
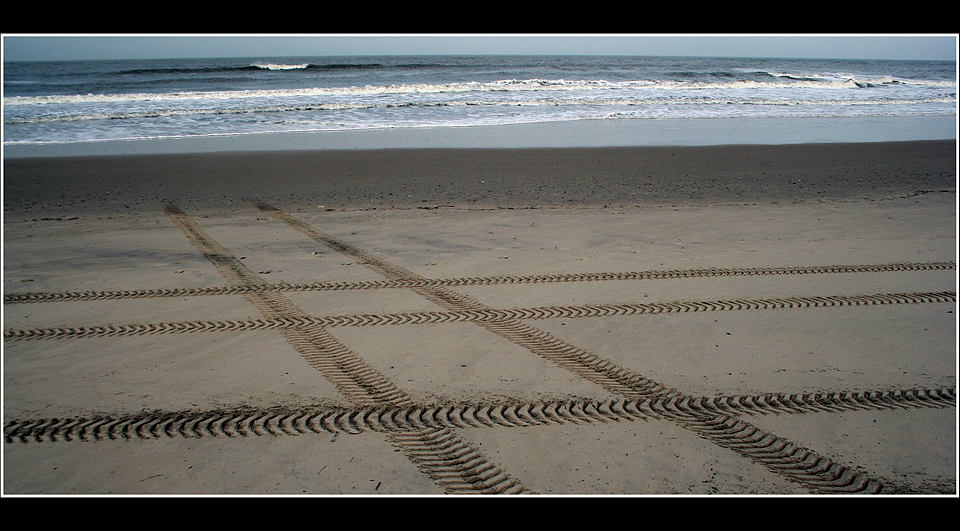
247,422
426,433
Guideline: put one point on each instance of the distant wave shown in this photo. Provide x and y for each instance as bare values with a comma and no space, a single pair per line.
572,103
505,85
311,66
272,66
193,70
496,86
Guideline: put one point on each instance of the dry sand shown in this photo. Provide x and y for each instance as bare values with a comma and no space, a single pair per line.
545,321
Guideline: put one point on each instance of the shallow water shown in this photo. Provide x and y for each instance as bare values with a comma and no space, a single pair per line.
433,97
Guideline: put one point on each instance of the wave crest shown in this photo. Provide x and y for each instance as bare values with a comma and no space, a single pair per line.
274,66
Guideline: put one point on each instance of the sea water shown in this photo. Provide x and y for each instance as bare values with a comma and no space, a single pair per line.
96,101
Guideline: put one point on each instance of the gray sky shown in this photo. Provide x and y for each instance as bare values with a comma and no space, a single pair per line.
30,47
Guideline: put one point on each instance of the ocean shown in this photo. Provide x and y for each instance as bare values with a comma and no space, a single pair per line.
95,101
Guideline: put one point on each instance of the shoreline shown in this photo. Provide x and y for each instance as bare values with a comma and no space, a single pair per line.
573,134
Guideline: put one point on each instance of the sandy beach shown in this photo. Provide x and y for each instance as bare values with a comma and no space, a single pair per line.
695,320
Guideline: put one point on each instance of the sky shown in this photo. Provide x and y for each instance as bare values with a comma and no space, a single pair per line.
39,47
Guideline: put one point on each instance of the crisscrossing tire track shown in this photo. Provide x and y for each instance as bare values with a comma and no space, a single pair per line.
585,364
428,448
407,283
820,476
427,434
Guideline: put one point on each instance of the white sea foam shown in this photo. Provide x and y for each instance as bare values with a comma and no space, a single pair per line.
506,85
300,66
213,97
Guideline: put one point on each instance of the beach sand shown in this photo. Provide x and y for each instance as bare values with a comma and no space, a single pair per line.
592,321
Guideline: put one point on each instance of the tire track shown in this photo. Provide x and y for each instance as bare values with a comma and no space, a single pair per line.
358,382
426,432
427,435
437,317
428,448
407,283
821,476
586,365
710,412
799,464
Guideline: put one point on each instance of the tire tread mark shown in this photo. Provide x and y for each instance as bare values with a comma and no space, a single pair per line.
39,296
586,365
406,418
818,473
359,382
490,315
567,356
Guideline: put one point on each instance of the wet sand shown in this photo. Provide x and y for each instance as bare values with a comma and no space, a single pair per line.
564,321
366,179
